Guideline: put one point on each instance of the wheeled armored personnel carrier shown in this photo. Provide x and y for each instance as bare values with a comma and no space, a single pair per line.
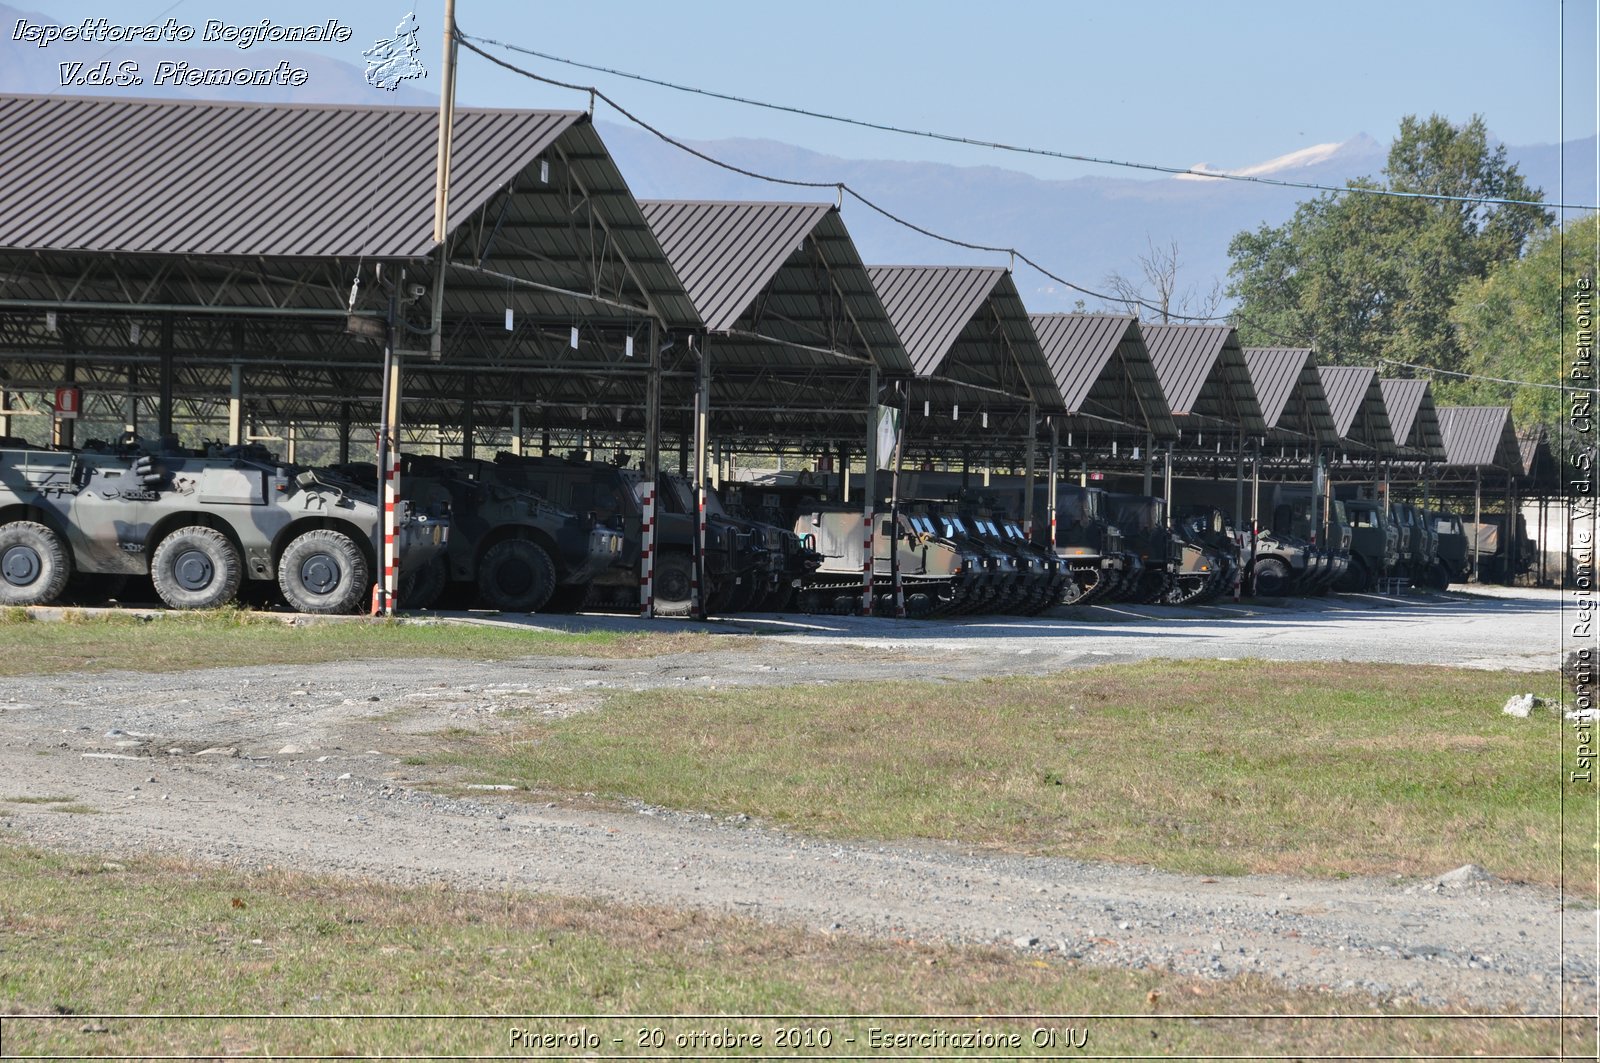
509,549
198,524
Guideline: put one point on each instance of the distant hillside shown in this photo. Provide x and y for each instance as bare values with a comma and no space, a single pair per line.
1082,229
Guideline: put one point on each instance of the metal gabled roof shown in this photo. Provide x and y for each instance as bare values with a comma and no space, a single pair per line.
967,324
1480,437
278,180
1203,374
726,253
1359,414
1103,369
786,271
1413,417
1290,391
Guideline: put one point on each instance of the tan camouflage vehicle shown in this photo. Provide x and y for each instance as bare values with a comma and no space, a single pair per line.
197,524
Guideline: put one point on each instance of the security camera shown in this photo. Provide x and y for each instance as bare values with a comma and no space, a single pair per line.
417,291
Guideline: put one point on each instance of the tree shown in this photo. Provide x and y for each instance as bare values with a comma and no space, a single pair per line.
1365,277
1511,322
1159,287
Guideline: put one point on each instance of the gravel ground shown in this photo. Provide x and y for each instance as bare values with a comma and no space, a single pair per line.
303,767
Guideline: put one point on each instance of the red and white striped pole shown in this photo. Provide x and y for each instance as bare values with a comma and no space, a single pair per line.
647,552
391,553
868,542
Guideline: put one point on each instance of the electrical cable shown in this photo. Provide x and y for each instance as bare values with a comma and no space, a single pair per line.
842,189
1474,376
951,138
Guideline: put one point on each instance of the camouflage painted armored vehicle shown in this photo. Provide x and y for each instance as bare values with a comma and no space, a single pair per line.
791,559
197,524
1142,520
1210,563
1000,590
1042,576
509,549
1282,560
938,576
739,567
611,494
1099,566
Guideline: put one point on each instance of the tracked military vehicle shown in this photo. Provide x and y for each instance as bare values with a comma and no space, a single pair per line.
938,576
509,549
791,559
198,524
1210,562
1142,520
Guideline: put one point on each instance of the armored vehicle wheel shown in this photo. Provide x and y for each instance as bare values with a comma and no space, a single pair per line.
420,587
34,564
568,598
674,582
1356,578
323,571
1272,577
516,576
196,568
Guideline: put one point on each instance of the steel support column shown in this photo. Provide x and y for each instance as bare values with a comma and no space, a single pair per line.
1477,519
164,378
701,433
1149,463
236,404
1050,489
869,493
1027,490
650,468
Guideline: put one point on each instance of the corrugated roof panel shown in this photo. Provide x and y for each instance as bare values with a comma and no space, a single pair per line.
1346,388
1203,373
276,180
930,305
1103,369
1480,436
1274,371
727,253
1413,417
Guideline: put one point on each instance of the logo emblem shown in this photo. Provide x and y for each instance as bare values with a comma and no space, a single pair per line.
395,60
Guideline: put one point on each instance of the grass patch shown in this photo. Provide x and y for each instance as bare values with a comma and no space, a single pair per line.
143,642
1201,766
85,938
47,800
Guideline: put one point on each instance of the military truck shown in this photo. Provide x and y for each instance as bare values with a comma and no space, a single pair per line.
1102,567
1500,558
1453,563
1374,545
509,549
198,524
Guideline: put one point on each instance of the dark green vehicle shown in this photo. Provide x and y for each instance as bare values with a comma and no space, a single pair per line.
1374,545
509,549
198,524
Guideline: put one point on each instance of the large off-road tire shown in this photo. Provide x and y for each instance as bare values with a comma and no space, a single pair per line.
323,571
1272,578
673,584
196,568
568,598
421,585
1355,579
34,564
516,576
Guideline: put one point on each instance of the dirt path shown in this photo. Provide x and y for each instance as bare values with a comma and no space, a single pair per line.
303,767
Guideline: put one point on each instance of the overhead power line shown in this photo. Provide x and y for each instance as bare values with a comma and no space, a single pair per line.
842,189
1480,376
1019,149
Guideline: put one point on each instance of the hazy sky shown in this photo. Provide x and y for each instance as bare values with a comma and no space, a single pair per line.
1224,83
